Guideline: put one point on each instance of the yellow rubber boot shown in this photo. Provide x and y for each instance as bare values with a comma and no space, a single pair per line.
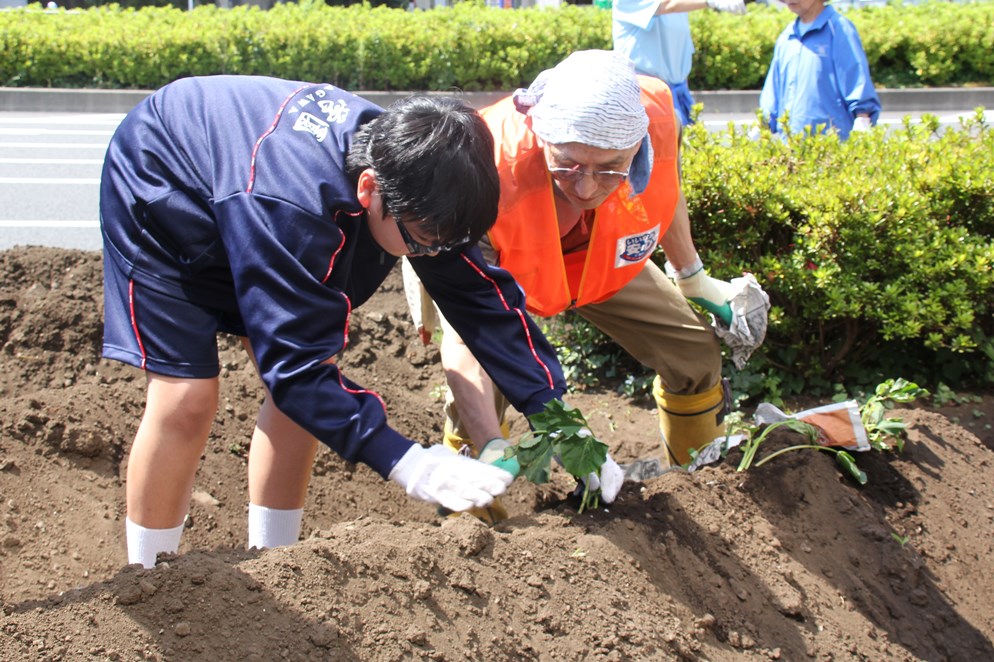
689,422
455,443
495,512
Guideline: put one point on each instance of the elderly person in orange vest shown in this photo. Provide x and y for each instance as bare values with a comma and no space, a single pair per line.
588,158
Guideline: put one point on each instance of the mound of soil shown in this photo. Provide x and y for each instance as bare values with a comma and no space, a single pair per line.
790,561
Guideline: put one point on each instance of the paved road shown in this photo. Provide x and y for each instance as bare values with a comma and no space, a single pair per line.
50,171
49,177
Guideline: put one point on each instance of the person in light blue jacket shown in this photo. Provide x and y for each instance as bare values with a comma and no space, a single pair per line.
819,78
655,36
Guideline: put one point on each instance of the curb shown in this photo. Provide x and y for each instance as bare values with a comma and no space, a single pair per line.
33,99
892,101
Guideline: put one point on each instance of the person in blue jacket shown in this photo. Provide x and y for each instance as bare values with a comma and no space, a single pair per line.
270,209
819,77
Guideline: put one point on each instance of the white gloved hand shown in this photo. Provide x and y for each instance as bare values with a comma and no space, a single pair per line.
437,475
861,123
610,477
731,6
608,481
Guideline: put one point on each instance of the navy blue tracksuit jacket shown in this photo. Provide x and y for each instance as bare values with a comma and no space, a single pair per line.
231,191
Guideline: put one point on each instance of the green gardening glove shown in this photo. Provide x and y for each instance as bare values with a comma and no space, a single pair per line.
493,453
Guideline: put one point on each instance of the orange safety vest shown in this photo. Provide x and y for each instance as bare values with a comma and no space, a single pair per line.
625,231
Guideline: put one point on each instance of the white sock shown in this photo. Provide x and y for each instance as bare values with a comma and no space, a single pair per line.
268,527
145,544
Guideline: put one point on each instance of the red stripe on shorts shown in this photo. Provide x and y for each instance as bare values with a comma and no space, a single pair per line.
134,321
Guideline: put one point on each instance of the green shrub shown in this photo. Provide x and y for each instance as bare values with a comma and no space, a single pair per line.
877,255
361,48
468,46
876,252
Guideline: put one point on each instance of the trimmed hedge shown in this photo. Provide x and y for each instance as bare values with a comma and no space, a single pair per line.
877,252
877,255
469,46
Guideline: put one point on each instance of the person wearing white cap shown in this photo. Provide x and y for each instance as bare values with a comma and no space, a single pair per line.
588,164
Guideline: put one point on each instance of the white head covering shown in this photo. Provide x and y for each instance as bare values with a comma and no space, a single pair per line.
591,97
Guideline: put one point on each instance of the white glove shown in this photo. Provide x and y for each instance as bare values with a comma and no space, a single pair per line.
609,481
861,123
731,6
437,475
610,478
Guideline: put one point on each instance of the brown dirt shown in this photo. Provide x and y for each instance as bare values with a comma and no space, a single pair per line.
790,561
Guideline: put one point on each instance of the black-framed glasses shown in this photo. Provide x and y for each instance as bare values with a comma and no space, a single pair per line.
417,248
575,174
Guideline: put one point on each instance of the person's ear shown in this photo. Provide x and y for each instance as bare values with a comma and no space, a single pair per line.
366,187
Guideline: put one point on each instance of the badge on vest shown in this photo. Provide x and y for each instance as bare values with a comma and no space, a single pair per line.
635,248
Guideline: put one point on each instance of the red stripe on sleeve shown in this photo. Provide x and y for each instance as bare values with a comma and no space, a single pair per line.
361,391
331,262
266,134
521,317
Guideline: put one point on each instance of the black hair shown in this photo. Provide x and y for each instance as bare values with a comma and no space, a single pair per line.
434,163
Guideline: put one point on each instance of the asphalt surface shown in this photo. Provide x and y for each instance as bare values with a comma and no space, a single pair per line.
52,144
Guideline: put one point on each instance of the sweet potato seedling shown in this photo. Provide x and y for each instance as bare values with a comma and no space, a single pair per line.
560,432
881,432
811,433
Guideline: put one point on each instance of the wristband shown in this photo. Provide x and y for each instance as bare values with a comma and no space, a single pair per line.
686,271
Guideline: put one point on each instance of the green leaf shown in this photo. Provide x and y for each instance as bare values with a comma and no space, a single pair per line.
535,459
582,455
530,441
849,464
561,431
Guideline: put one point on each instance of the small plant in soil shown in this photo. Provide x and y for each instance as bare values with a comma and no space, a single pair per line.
880,430
560,432
883,433
811,434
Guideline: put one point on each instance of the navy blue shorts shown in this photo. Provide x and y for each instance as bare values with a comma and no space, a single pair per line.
168,334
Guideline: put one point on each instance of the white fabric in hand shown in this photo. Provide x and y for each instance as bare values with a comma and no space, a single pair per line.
731,6
861,123
750,316
437,475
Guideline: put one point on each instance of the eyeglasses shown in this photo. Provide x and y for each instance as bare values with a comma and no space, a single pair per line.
417,248
575,174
